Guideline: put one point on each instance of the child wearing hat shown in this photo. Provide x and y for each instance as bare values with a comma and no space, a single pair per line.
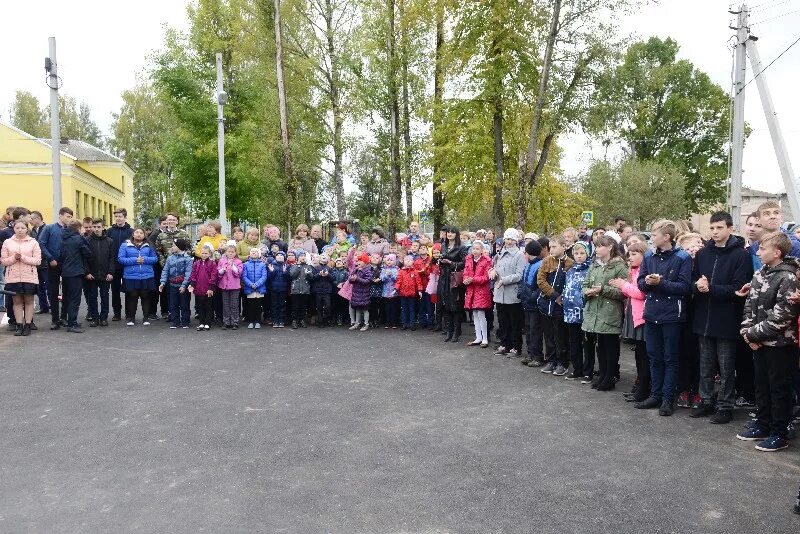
229,268
203,283
254,280
278,281
391,300
300,274
176,272
361,278
340,304
323,285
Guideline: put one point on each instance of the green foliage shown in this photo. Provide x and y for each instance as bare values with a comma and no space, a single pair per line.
28,115
641,190
667,111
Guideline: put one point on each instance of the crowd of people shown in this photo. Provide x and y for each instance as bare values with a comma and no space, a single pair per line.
712,320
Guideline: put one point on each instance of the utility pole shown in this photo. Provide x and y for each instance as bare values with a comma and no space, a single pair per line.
737,141
222,99
775,132
51,67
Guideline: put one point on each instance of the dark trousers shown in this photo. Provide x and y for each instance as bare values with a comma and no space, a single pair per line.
425,312
392,311
341,309
642,370
204,309
179,306
85,289
556,349
663,345
72,297
718,355
132,302
581,352
44,303
53,285
299,306
509,319
277,301
116,294
375,310
745,383
453,321
92,289
253,308
533,335
438,316
689,361
408,310
774,367
156,297
323,305
606,347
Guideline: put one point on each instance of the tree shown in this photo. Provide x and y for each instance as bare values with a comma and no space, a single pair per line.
27,114
643,190
666,110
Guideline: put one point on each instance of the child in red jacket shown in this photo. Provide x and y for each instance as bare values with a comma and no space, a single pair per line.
409,287
424,307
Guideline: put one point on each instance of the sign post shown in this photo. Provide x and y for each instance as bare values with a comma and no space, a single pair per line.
587,217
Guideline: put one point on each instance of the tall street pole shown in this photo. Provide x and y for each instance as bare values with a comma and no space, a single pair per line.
55,126
737,141
222,98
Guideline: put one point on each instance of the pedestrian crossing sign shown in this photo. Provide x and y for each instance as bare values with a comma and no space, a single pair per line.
588,218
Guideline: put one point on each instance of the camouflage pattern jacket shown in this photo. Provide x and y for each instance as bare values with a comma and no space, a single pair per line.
164,242
769,318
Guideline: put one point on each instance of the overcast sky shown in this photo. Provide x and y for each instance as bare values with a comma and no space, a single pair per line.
102,45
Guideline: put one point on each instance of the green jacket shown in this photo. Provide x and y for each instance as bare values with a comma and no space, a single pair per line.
164,242
603,314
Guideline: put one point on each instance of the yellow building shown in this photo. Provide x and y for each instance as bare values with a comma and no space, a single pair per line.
93,182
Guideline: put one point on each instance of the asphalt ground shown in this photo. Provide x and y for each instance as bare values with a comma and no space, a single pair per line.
156,430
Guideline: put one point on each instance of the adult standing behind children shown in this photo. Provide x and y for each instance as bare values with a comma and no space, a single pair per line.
770,217
450,292
50,240
302,240
119,232
509,264
721,268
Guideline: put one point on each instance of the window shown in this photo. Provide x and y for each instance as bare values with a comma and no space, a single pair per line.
77,204
85,205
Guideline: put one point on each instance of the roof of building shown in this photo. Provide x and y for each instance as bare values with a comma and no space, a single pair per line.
82,151
747,191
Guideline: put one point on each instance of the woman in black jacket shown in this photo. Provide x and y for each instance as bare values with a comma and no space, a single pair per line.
451,298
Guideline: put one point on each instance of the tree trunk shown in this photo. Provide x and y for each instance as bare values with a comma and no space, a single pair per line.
406,120
334,81
394,121
527,175
292,188
498,212
438,96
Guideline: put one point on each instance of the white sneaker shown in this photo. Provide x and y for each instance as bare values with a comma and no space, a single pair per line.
146,323
171,327
130,323
206,327
258,326
250,326
185,327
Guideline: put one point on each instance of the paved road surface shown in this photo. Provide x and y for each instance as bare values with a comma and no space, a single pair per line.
153,430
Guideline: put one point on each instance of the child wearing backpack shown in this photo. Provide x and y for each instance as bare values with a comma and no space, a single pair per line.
551,278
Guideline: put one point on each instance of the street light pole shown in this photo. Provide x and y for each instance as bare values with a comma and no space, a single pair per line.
222,99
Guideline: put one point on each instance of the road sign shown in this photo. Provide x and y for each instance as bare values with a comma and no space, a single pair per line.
588,218
423,217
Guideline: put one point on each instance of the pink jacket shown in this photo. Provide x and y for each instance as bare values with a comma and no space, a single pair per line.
478,296
23,270
635,297
230,273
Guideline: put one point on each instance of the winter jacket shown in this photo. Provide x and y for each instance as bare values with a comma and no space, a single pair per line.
243,249
769,318
281,245
451,299
216,243
75,253
408,284
177,271
339,276
254,273
528,290
635,297
164,242
572,298
279,278
795,252
666,302
423,267
118,236
24,270
718,313
323,285
379,247
603,314
376,288
50,242
509,265
478,295
550,278
127,255
103,259
307,244
301,274
340,249
361,280
389,278
230,273
204,276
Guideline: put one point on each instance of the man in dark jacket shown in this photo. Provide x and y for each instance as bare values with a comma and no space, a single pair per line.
50,240
119,232
666,279
100,275
74,260
721,268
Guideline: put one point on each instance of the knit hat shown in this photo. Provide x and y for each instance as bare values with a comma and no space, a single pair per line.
323,258
378,230
182,244
511,233
280,253
391,257
257,250
437,246
533,248
292,253
230,243
363,257
531,235
340,260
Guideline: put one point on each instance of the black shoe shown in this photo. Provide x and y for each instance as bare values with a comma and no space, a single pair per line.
606,386
536,363
701,410
666,409
294,325
448,337
303,324
722,417
595,383
55,326
103,322
455,339
33,326
26,330
235,327
116,318
74,330
17,329
93,324
648,404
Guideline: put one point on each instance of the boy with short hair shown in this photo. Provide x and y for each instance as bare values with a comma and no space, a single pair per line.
101,273
770,328
73,260
528,292
175,277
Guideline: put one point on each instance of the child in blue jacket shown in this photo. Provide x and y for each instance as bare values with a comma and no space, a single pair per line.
323,285
572,298
254,282
176,272
279,280
528,291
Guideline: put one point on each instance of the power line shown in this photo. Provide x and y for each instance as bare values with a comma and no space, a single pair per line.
770,64
768,7
775,17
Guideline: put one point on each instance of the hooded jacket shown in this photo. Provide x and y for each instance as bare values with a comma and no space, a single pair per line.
718,313
666,302
118,236
603,314
24,270
75,254
254,273
178,267
389,278
572,298
478,295
408,283
230,273
323,285
204,276
528,290
301,274
103,259
550,278
509,264
361,280
127,255
279,278
769,318
635,297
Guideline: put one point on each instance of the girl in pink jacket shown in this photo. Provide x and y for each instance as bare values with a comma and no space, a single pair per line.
229,268
633,324
21,256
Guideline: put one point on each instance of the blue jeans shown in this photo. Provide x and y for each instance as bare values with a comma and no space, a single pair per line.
663,346
91,289
425,311
408,307
178,306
